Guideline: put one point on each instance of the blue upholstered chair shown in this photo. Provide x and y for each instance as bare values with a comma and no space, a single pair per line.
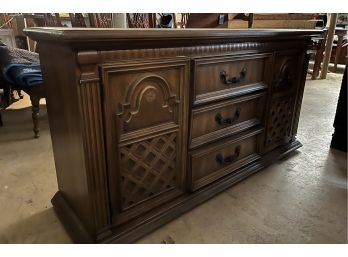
20,70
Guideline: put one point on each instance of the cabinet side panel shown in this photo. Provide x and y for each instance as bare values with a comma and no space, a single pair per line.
60,81
300,95
90,107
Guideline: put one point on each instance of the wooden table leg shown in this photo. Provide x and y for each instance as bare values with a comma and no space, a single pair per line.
35,93
35,108
319,56
338,51
317,62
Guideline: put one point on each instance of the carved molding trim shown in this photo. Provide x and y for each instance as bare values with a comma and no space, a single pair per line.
286,74
90,111
107,56
87,57
94,57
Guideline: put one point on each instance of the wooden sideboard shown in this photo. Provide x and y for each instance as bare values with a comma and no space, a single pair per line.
147,124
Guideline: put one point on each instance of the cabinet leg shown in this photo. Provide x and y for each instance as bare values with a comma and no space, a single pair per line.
35,108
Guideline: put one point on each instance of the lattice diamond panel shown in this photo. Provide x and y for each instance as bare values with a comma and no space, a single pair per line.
280,119
148,168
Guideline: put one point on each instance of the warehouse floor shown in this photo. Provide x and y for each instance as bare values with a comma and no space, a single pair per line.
301,199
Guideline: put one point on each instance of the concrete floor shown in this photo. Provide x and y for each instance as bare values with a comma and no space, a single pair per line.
302,199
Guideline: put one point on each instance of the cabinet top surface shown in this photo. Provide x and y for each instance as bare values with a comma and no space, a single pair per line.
94,34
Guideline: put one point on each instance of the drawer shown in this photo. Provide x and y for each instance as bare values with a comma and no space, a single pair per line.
225,76
215,161
215,121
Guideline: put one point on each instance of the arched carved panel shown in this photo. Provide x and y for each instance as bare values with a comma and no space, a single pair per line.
148,102
285,73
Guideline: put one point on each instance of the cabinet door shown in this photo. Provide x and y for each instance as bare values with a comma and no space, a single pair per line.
145,104
287,73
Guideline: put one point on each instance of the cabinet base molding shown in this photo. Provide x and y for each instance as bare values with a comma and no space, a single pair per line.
132,232
70,220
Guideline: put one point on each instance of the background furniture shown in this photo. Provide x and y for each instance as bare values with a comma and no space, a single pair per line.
100,20
339,51
8,95
147,124
7,37
274,20
206,20
318,49
141,20
68,20
11,92
35,94
252,20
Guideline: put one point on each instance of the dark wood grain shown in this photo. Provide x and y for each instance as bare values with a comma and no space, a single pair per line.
238,115
111,39
78,34
147,124
145,112
244,73
285,87
212,162
59,71
170,211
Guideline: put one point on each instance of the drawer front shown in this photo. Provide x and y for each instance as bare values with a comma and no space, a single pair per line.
146,117
216,121
225,76
215,161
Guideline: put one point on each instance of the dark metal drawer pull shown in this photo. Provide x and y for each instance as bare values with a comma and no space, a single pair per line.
233,80
228,159
227,121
